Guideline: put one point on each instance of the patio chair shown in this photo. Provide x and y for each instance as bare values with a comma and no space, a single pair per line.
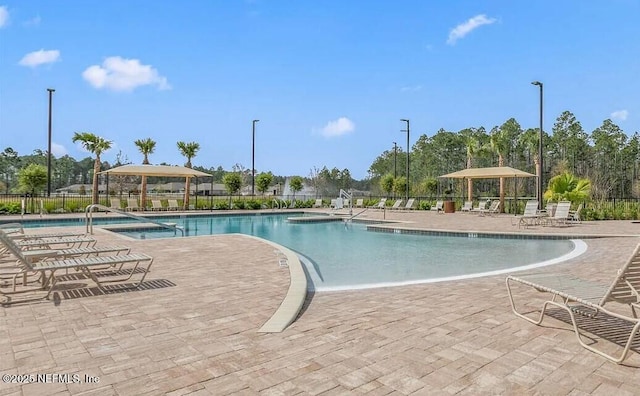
115,203
438,207
468,205
409,205
318,203
582,297
359,203
333,203
530,215
172,204
396,204
156,205
47,267
132,204
494,208
380,205
574,215
482,206
560,215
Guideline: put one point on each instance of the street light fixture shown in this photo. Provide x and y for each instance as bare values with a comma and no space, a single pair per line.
408,152
540,176
253,157
51,91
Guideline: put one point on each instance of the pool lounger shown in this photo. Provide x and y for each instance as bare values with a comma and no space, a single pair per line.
583,297
88,265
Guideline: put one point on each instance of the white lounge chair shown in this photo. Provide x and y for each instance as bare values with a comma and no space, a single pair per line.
409,205
380,205
48,266
530,215
494,208
560,215
116,204
156,205
574,215
468,205
172,204
482,205
438,207
396,204
359,203
318,203
132,204
583,297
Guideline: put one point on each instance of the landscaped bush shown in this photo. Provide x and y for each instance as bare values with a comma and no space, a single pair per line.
10,208
424,205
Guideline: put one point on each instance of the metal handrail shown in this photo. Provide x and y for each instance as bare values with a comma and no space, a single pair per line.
88,214
356,215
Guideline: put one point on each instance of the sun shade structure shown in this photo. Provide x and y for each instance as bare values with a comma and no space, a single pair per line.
494,172
488,173
155,170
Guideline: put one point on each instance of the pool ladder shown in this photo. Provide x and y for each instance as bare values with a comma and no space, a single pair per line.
88,214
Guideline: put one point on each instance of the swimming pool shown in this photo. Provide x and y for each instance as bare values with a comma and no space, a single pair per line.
346,256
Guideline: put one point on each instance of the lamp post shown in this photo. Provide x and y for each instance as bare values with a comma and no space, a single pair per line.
408,152
51,91
540,178
253,157
395,160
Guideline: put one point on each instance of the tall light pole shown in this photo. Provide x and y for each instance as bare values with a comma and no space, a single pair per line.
395,160
253,157
408,152
51,91
540,176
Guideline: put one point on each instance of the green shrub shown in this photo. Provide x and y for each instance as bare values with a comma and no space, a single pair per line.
238,204
10,208
424,205
221,204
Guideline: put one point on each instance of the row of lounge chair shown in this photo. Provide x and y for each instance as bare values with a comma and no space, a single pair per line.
552,215
397,205
30,263
132,205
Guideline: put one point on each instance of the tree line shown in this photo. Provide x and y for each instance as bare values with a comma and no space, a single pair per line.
606,156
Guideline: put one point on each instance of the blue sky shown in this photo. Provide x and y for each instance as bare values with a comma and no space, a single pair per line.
328,80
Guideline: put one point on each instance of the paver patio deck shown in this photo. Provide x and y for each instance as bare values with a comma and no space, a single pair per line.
193,328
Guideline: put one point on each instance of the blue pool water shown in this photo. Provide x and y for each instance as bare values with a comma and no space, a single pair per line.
347,256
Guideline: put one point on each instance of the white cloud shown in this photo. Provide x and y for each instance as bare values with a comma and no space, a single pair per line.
620,115
467,27
4,16
339,127
37,58
119,74
58,150
411,88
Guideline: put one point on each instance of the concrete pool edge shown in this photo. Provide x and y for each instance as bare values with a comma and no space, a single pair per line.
296,295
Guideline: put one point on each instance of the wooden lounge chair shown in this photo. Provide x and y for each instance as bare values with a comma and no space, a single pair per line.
172,204
468,205
156,205
47,267
583,297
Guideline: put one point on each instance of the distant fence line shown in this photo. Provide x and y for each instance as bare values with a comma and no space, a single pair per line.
77,202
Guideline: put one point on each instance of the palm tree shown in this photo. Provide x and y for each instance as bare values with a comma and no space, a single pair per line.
188,150
500,144
95,145
146,147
